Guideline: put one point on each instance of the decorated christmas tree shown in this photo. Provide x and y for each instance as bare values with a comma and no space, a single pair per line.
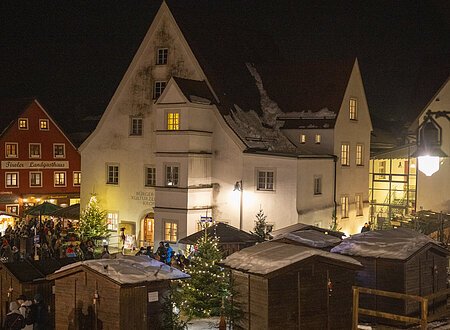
209,282
170,310
92,222
261,228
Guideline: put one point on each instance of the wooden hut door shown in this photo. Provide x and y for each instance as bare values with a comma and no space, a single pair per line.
140,308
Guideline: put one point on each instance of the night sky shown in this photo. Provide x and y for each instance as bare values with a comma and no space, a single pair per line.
71,55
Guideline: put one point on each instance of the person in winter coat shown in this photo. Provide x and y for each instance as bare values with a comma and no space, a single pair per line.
14,320
161,252
27,312
39,313
169,253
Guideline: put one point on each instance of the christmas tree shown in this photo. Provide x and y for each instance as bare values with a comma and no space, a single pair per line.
92,222
261,228
209,282
171,318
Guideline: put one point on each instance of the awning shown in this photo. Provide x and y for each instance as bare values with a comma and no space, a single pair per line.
45,208
69,212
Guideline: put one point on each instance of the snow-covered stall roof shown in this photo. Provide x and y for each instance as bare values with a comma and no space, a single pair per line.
303,226
310,238
267,257
399,243
130,269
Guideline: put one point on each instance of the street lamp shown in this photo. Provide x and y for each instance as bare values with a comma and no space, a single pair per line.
239,187
429,140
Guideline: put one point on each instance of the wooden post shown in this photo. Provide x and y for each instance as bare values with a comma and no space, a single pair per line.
355,308
424,318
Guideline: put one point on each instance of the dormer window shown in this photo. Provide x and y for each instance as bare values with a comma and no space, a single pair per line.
161,57
302,138
317,139
23,123
353,109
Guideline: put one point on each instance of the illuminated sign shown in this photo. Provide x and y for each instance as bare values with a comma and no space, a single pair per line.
33,164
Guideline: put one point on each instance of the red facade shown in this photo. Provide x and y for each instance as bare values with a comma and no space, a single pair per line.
38,162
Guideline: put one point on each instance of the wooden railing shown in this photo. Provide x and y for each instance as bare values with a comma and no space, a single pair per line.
423,320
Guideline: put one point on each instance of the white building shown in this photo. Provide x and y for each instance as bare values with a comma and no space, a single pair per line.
191,118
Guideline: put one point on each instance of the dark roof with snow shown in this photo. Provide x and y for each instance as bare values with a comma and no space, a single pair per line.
195,90
308,123
311,238
302,226
10,110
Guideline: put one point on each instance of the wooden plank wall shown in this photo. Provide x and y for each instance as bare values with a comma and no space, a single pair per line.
283,302
258,301
240,285
340,297
6,282
133,308
74,302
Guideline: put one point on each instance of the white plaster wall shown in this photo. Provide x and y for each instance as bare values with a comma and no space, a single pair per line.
433,192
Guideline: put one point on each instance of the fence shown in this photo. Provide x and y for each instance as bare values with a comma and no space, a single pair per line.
422,320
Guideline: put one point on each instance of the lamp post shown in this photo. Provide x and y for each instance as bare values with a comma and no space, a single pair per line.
239,187
429,140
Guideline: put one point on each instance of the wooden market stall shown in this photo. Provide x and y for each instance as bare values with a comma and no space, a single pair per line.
122,293
287,286
398,260
28,277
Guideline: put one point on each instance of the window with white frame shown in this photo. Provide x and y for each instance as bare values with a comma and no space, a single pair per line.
23,123
353,109
11,179
344,206
12,209
359,154
345,154
170,231
35,179
136,126
359,205
112,174
150,176
265,180
35,150
172,172
317,184
77,179
158,88
302,138
59,179
173,121
43,124
317,139
11,150
112,220
59,150
161,57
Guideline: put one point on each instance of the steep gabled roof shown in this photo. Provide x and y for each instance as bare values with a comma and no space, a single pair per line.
195,90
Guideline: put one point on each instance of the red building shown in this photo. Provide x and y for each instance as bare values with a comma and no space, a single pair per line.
38,161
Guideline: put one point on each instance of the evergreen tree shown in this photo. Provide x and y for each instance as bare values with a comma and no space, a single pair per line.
92,222
261,228
203,292
171,319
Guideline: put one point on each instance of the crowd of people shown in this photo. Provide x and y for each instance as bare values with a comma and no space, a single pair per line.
166,254
47,238
26,314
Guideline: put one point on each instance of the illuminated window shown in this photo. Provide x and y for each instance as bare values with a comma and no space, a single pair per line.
359,155
353,109
112,174
59,150
162,56
12,209
150,176
76,179
35,179
317,139
170,231
344,207
317,185
302,138
159,88
35,150
59,179
23,123
43,124
11,150
359,204
112,221
173,121
172,175
266,180
136,126
11,179
345,154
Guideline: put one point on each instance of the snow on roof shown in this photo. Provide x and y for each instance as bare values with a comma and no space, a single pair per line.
310,238
399,243
130,269
267,257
